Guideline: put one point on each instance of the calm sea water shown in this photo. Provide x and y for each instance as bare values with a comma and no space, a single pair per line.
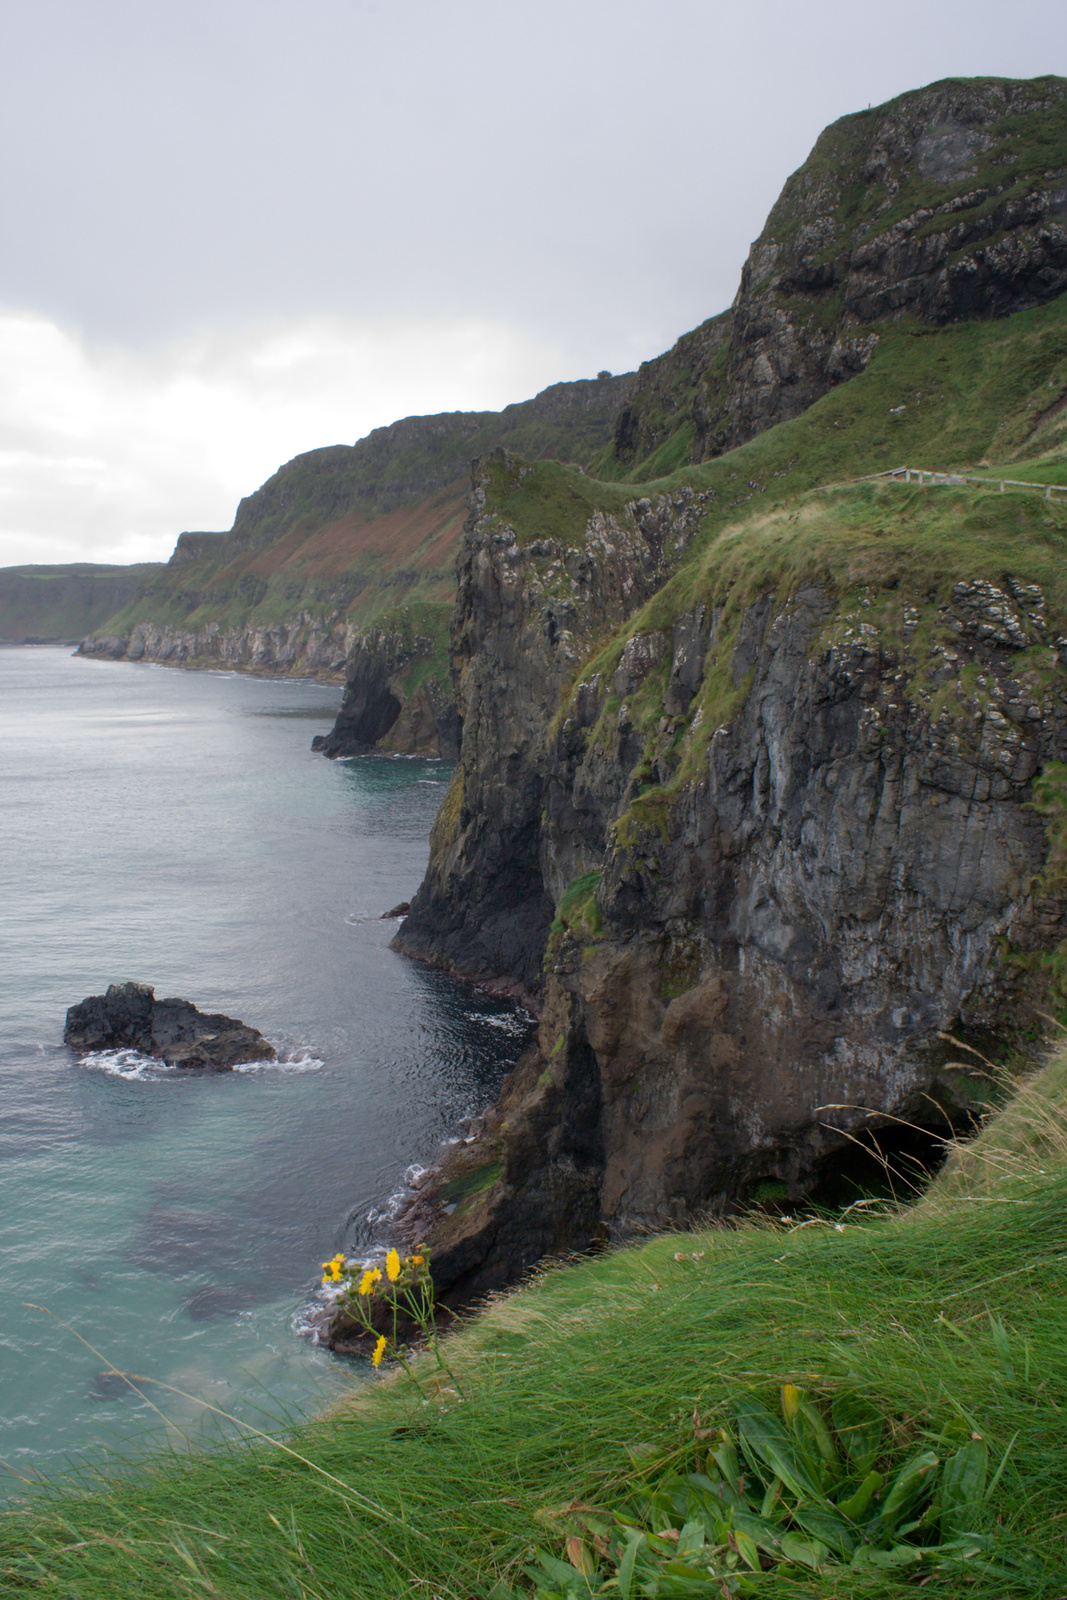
174,828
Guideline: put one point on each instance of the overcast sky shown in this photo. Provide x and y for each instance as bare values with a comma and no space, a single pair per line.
234,230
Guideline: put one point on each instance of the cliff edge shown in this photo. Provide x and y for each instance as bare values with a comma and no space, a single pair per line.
762,766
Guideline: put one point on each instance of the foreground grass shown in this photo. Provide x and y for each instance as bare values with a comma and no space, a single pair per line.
953,1319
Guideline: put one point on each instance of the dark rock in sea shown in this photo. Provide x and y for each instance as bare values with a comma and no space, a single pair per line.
129,1017
398,911
113,1386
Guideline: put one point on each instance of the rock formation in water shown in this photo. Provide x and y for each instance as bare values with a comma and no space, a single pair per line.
129,1017
756,786
397,696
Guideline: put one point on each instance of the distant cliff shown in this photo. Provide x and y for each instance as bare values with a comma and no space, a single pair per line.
763,772
339,551
49,604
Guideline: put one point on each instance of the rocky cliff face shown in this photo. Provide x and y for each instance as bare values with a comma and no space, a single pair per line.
388,704
789,837
946,204
327,562
527,612
305,646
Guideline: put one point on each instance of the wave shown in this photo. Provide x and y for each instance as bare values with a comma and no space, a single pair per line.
138,1068
512,1022
299,1060
130,1064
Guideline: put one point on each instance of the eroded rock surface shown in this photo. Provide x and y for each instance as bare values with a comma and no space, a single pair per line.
380,712
129,1017
752,965
525,616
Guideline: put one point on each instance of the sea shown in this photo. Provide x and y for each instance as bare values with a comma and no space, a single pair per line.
174,828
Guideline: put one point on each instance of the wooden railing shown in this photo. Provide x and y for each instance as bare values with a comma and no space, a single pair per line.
921,476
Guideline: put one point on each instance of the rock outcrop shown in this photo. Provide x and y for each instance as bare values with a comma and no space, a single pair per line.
946,204
129,1017
389,705
526,613
305,646
786,823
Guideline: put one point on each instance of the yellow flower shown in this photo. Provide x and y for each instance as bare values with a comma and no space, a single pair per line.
379,1351
418,1261
333,1270
369,1279
392,1266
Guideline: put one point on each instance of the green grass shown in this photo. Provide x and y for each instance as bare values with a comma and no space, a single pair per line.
65,602
600,1376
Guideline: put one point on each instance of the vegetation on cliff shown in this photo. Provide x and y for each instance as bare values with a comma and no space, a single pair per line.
589,1389
341,536
946,204
791,713
50,604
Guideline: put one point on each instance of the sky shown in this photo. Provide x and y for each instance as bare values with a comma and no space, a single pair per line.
235,230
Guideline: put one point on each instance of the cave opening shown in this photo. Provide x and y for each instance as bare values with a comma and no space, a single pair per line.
895,1162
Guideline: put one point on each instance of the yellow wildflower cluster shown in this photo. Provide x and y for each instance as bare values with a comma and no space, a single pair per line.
333,1271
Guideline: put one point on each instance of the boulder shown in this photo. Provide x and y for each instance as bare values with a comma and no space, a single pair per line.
129,1017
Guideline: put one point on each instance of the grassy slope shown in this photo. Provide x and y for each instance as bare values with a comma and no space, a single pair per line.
973,393
1025,153
951,1319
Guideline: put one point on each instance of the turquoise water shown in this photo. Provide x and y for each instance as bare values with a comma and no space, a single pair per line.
175,829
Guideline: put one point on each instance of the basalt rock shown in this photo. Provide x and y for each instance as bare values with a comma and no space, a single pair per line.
382,710
129,1017
525,615
783,896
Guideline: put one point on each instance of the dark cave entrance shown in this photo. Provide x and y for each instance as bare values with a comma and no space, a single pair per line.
895,1162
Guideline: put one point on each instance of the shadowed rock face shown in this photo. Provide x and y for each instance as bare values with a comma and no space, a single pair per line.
377,713
129,1017
524,618
792,850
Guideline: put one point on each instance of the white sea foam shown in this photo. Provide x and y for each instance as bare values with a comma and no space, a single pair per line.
135,1067
513,1023
391,1208
130,1064
298,1060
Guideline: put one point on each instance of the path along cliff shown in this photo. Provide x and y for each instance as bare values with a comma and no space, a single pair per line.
760,789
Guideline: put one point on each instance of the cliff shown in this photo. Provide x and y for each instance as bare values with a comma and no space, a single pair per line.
52,604
342,540
341,566
947,204
759,787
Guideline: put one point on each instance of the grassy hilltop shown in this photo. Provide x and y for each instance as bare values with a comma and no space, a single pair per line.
45,604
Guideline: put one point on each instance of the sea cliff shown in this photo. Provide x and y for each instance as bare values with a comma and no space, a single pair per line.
759,779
